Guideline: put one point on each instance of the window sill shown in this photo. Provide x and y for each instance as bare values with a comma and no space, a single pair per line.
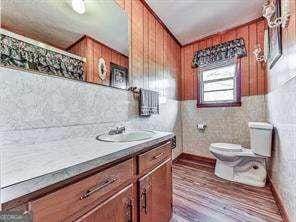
208,105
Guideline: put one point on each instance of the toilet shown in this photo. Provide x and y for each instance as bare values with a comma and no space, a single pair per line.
239,164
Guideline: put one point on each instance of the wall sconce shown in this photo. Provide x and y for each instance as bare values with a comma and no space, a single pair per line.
269,12
259,54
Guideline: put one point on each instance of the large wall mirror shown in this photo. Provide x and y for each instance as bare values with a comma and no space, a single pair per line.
84,40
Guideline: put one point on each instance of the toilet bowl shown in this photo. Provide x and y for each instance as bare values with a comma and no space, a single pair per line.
239,164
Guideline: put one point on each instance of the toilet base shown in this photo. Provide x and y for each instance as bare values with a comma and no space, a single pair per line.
249,171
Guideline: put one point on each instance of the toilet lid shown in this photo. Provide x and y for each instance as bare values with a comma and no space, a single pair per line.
230,147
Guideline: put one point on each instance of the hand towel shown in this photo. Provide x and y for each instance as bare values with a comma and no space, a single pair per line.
148,103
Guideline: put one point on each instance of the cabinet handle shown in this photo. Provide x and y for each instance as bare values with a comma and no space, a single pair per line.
97,188
130,211
159,155
144,196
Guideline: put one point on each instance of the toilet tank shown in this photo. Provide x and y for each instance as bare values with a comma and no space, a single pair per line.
260,136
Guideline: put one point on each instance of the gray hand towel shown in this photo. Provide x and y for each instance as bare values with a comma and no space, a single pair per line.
148,103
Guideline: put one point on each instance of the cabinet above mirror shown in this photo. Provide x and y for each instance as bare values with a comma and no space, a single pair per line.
78,39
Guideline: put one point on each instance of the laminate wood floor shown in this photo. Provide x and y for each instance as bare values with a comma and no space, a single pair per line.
198,195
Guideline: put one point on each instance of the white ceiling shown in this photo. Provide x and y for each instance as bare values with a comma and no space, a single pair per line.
190,20
54,22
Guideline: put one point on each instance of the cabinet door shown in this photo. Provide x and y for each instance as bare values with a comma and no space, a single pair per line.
118,208
155,193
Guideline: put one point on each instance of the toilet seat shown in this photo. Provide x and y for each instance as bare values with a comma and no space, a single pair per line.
227,147
230,149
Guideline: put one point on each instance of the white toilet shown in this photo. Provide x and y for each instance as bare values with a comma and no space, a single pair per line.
238,164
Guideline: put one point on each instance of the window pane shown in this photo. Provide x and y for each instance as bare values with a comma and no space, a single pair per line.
226,84
218,73
219,96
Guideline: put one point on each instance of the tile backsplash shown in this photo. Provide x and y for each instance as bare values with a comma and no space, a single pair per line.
36,108
224,124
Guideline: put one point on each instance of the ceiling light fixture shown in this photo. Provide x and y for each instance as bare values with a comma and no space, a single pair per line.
78,6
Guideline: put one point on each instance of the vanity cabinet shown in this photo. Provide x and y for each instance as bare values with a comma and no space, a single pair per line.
70,202
118,208
155,193
135,188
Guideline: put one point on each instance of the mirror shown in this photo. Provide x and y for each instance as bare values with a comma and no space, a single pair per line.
78,39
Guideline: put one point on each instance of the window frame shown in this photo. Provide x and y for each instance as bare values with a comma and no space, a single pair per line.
237,81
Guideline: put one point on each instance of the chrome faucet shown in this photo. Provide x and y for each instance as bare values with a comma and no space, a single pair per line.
117,130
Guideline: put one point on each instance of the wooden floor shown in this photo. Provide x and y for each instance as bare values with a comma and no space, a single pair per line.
201,196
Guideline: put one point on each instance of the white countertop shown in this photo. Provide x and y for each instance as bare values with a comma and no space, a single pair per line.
27,168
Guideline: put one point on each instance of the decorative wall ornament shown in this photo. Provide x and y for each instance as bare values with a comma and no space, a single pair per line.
273,18
102,68
21,54
119,76
218,53
259,54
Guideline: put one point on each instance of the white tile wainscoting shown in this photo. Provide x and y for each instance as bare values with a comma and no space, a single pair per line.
39,108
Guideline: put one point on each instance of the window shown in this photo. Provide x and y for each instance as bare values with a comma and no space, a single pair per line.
219,85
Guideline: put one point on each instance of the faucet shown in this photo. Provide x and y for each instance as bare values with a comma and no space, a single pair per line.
117,130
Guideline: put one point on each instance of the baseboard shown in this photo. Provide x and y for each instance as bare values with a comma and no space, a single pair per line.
278,200
177,158
201,159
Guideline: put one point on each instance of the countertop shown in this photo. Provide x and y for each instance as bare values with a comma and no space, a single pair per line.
27,168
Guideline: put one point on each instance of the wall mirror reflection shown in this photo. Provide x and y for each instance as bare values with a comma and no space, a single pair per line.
84,40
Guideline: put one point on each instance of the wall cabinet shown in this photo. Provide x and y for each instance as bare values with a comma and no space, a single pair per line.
136,189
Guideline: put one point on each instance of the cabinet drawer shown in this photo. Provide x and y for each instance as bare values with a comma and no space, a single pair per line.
71,201
153,157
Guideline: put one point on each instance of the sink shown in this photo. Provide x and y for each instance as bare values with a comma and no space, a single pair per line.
127,136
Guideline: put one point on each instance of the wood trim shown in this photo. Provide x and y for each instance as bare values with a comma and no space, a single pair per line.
278,200
160,21
197,158
232,104
176,159
224,31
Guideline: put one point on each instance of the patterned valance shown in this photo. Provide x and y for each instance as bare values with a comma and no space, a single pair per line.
218,53
20,54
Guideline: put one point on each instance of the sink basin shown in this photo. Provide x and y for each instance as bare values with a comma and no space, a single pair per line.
127,136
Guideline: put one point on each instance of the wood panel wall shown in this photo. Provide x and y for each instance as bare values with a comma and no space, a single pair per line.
93,50
155,61
253,74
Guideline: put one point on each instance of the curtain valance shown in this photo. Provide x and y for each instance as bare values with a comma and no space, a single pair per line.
218,53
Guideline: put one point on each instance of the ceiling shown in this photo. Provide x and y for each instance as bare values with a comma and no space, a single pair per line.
54,22
190,20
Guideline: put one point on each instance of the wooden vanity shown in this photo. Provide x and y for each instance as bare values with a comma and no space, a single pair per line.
135,188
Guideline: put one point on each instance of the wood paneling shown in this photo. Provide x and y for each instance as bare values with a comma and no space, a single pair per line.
253,84
198,195
253,74
93,50
155,61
